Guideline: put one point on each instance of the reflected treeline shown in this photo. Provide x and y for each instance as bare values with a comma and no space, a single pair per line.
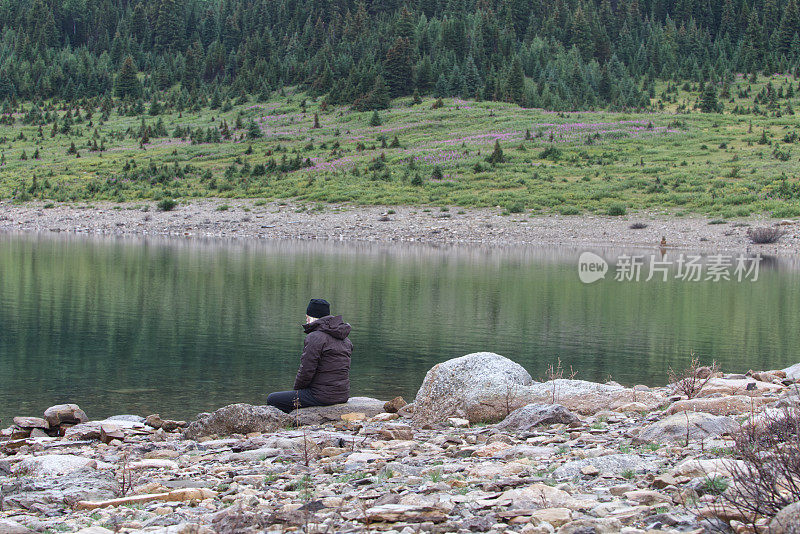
182,326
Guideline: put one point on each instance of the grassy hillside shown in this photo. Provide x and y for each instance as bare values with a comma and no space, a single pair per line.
719,164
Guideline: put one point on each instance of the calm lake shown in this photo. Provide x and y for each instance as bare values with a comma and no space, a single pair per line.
177,327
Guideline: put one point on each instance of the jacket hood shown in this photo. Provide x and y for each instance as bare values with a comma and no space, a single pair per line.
330,324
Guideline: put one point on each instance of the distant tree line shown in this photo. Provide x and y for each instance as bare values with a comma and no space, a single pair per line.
557,54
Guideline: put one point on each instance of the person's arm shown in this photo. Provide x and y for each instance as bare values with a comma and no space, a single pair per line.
312,350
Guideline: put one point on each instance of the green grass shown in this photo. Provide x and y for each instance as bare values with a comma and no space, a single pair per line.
674,160
714,485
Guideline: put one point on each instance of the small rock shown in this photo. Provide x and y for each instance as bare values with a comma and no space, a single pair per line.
238,419
646,497
555,516
353,416
394,405
154,421
383,417
591,526
458,422
70,414
590,470
397,432
109,432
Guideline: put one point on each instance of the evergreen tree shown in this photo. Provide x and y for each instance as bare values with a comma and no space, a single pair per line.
708,99
497,154
397,66
375,120
167,32
127,84
515,83
379,97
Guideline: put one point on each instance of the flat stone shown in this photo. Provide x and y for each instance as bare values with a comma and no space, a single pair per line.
353,416
729,405
109,432
528,417
694,425
154,464
127,418
647,497
31,422
739,386
9,526
489,470
319,415
83,431
714,466
397,432
593,526
554,516
392,513
541,496
614,464
363,457
87,484
383,417
51,465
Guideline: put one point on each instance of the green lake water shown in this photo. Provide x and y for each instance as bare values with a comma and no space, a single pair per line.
183,326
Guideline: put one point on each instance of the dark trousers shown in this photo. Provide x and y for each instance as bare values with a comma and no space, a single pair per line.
287,401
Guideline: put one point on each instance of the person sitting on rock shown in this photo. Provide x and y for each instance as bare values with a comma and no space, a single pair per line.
324,375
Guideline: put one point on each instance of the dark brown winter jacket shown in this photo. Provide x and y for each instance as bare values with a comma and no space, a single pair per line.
325,364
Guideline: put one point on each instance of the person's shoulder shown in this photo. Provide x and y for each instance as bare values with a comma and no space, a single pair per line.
317,336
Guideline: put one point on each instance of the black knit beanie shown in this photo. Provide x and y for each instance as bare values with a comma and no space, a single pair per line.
318,308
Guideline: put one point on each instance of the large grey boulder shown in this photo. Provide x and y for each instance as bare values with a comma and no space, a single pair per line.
51,465
787,521
479,387
695,425
530,416
614,464
86,484
238,419
485,387
319,415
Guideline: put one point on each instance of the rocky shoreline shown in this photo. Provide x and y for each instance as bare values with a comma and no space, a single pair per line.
252,219
482,448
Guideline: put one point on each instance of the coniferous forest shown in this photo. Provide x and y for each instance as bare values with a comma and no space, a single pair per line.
555,54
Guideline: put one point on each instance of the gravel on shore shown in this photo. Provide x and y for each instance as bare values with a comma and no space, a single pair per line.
249,219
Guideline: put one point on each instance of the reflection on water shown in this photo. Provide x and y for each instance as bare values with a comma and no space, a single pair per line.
183,326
